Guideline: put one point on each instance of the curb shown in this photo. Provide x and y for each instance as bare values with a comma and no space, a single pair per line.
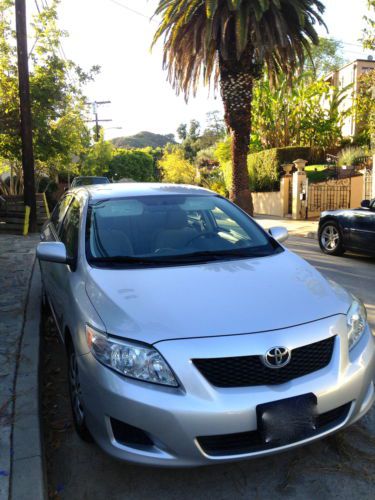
27,476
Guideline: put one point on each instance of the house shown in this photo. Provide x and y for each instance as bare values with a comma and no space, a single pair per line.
349,75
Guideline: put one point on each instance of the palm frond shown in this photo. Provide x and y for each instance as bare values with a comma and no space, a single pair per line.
199,35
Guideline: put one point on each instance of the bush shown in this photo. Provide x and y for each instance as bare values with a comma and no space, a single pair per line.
176,168
132,164
352,156
265,167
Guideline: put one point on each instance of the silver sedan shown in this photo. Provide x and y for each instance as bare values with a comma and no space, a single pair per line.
192,335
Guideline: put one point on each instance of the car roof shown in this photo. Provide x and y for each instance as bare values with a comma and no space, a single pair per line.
122,190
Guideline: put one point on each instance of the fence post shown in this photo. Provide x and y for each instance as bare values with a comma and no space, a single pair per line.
299,182
285,183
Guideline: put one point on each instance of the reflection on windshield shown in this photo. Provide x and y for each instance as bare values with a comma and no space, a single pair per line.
170,229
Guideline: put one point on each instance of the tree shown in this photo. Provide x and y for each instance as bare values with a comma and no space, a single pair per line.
228,42
368,39
176,168
58,103
325,57
98,158
132,164
304,114
182,131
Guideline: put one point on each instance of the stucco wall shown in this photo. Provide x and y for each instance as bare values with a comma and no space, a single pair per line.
268,203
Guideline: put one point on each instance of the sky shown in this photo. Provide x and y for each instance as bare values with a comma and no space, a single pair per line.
117,34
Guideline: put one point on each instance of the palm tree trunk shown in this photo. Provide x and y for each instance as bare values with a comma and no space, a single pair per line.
236,91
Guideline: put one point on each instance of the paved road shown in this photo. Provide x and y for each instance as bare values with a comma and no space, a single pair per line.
342,466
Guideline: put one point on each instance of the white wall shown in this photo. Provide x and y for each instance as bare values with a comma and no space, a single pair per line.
269,203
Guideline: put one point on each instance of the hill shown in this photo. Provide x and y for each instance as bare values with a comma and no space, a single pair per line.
143,140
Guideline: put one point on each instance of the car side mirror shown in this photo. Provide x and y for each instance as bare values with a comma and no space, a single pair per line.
279,234
365,203
52,251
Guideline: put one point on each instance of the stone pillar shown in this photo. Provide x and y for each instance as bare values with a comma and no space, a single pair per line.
299,184
285,183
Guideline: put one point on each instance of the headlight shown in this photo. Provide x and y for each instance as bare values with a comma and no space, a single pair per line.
132,360
356,320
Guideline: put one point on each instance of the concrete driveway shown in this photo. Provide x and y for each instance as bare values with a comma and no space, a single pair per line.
342,466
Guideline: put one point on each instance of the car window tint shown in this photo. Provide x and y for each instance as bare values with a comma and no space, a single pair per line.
70,229
228,224
60,210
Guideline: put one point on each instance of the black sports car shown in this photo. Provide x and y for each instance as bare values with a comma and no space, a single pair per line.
352,229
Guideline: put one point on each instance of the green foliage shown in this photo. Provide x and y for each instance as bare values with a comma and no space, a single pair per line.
176,168
265,167
199,34
325,57
143,140
98,159
132,164
365,109
293,116
58,108
368,39
193,141
352,156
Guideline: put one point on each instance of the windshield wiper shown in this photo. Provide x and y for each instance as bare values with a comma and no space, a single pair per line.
202,256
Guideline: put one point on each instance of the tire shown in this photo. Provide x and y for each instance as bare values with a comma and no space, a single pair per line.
78,413
330,239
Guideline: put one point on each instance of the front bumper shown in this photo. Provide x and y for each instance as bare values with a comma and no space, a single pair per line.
174,418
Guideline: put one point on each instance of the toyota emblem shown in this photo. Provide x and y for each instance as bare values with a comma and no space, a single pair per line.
277,357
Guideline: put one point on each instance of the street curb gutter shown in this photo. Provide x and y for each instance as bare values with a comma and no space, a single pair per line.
27,476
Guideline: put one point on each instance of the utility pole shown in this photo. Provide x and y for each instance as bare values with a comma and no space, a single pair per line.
95,105
25,113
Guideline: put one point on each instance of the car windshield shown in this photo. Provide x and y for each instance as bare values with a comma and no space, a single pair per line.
89,181
170,229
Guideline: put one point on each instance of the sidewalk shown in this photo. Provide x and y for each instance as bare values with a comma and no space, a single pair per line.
17,257
304,228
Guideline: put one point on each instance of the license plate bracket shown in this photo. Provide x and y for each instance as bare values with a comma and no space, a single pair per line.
287,420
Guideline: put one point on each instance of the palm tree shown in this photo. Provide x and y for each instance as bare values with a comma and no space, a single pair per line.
228,43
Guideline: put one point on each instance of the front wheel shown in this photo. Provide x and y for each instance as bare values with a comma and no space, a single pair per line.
330,239
76,397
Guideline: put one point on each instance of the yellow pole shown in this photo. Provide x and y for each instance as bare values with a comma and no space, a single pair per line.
26,221
46,205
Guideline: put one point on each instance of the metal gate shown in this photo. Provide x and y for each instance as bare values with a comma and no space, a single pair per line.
368,184
330,195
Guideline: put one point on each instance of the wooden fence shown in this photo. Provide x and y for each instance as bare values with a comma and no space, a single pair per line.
14,215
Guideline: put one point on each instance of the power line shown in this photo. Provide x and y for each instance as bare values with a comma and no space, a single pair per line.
137,12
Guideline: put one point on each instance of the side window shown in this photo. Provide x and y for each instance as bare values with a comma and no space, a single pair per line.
70,230
59,211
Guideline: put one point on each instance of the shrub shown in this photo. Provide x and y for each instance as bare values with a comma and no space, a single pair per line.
265,167
352,156
132,164
176,168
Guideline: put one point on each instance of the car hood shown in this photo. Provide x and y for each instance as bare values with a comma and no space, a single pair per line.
210,299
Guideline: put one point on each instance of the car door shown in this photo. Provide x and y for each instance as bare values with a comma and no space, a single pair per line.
363,229
50,232
60,274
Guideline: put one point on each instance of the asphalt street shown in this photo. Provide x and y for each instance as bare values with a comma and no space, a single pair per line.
341,466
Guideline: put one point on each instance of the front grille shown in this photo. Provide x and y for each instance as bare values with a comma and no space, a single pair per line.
251,442
242,371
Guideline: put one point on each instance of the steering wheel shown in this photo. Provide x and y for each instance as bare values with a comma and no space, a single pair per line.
209,234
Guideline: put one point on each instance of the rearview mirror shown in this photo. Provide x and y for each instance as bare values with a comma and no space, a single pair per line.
279,234
53,251
365,203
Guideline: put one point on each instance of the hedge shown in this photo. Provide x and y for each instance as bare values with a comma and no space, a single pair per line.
265,167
